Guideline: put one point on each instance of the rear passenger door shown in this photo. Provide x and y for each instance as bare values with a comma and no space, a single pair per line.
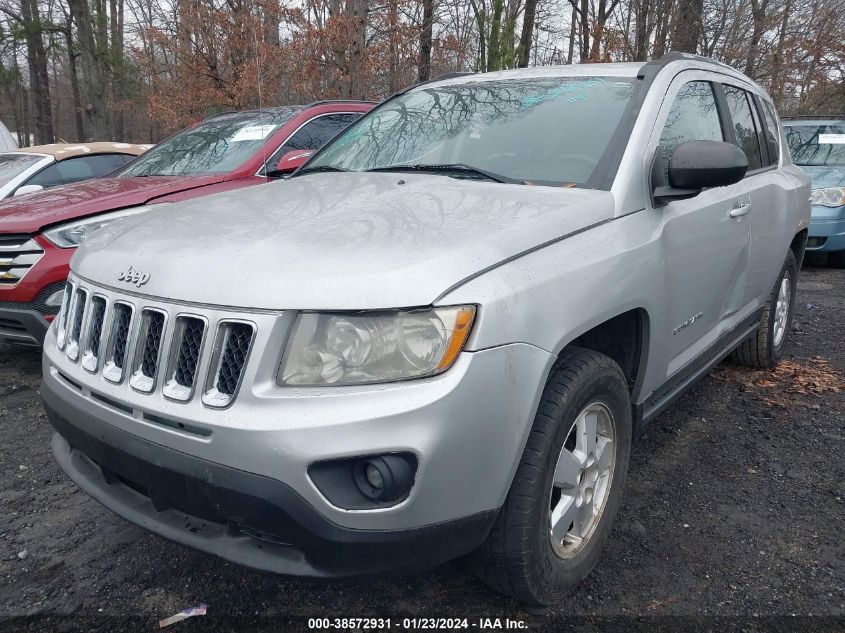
755,131
706,237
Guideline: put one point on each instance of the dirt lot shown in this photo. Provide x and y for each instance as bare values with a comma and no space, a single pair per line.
733,514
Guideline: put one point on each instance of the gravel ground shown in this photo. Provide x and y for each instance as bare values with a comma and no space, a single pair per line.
733,519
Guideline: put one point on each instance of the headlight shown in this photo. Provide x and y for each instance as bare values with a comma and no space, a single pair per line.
829,197
72,234
369,347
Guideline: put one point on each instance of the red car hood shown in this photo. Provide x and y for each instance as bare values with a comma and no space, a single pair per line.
31,213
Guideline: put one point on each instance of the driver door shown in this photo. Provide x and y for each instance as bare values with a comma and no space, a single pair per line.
706,238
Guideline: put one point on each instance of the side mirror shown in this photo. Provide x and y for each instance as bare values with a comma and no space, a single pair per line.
696,165
25,189
291,161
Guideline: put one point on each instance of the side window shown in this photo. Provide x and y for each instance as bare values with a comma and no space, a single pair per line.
76,169
693,117
103,164
317,132
772,133
744,127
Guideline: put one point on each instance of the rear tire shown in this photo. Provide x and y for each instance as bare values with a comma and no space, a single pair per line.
568,485
763,349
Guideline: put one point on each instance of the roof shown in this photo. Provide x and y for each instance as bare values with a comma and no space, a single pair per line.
614,69
619,69
61,151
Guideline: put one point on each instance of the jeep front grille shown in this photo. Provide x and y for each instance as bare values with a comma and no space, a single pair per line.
158,348
18,253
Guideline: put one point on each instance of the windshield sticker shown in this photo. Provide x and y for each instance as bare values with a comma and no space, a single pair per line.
574,91
831,139
252,133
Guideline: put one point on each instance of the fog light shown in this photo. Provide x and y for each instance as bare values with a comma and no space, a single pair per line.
374,477
383,478
55,299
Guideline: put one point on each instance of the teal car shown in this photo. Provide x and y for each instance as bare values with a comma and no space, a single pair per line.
818,147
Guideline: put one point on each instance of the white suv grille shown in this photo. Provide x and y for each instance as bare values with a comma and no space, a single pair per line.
159,349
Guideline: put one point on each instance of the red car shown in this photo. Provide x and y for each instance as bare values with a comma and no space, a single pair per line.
39,232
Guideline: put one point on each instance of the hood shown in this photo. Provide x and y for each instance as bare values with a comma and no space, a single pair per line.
825,176
33,212
344,241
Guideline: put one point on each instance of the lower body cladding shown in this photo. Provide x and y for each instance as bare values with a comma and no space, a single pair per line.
283,499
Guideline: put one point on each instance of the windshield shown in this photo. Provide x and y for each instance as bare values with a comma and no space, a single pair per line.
12,165
551,130
214,146
817,144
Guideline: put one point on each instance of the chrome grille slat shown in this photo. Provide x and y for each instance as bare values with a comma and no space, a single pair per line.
147,350
94,334
118,342
231,350
63,315
188,337
74,328
18,253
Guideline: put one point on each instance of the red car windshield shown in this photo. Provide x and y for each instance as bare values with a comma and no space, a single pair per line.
217,145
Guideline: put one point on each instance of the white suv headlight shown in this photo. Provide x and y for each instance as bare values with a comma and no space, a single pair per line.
370,347
828,197
72,234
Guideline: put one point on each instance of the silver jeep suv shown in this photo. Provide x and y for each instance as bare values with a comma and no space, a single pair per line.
442,334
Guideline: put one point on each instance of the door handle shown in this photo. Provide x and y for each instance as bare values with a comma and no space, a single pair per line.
740,210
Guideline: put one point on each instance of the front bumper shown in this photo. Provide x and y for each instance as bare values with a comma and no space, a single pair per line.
239,516
26,323
826,233
244,493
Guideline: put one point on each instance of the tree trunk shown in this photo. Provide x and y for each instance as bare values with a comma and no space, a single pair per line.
687,26
79,124
642,32
272,18
527,36
38,78
117,64
494,45
778,75
758,16
573,29
95,105
358,10
426,36
585,31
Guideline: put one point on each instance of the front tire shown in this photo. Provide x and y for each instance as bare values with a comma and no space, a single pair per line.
763,349
568,485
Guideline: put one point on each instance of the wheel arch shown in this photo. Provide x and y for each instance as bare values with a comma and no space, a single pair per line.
624,337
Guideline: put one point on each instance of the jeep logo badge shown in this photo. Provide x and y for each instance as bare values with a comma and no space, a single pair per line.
132,276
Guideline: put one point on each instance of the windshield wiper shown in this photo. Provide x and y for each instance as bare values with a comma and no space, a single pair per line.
454,168
317,168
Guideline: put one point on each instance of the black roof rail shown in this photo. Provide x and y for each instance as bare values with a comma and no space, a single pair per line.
650,70
799,117
290,105
329,101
